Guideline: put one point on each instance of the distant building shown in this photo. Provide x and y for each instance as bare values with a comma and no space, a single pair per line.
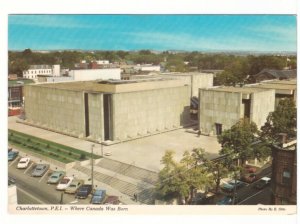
147,67
222,107
284,174
93,74
267,74
15,95
41,70
12,77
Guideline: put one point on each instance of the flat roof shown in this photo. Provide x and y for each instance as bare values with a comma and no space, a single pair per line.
282,82
117,86
232,89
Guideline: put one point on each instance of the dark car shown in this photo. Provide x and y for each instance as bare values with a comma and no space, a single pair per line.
203,199
227,200
229,187
84,191
98,196
40,170
263,182
12,155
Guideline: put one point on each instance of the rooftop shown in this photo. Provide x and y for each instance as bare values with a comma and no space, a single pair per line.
244,90
117,86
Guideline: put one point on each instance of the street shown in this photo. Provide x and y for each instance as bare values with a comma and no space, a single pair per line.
35,190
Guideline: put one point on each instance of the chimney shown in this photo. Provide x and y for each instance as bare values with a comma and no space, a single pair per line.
283,138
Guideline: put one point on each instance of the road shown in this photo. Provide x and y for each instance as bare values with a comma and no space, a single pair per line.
249,195
35,190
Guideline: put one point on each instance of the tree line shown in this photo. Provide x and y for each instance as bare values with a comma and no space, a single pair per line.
235,67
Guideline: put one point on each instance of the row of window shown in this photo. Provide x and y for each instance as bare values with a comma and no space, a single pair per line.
38,72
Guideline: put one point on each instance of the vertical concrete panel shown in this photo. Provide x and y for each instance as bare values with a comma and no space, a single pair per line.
96,116
262,103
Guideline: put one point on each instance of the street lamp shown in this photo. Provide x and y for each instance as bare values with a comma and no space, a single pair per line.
92,162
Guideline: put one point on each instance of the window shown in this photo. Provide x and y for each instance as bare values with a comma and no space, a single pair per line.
286,176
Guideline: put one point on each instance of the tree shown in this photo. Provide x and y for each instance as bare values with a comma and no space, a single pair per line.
239,139
218,170
282,120
180,180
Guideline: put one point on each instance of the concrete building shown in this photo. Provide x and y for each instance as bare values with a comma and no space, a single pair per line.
109,110
93,74
195,79
283,88
284,174
222,107
41,70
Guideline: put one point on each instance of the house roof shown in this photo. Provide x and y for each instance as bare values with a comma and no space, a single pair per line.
278,74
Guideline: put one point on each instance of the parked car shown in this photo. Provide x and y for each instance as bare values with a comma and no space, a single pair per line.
249,177
40,170
75,184
12,155
11,181
263,182
227,200
64,183
112,200
55,177
84,191
23,163
229,187
203,199
98,196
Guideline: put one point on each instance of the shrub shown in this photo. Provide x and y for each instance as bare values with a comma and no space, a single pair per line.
47,146
82,156
70,153
28,140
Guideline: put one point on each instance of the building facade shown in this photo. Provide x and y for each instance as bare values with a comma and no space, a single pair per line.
222,107
41,70
109,110
93,74
284,174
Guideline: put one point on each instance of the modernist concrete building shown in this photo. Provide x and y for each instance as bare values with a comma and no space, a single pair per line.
109,110
283,88
221,107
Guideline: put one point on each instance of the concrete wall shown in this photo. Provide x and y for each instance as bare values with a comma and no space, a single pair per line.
195,79
96,115
93,74
146,112
201,80
262,103
218,107
58,109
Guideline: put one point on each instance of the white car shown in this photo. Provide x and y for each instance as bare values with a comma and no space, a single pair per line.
23,163
64,183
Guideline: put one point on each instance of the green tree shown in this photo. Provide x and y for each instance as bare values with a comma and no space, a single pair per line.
218,171
282,120
239,139
180,180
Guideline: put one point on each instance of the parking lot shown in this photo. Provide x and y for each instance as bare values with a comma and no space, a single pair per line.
37,187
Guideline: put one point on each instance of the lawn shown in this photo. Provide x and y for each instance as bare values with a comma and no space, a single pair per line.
50,149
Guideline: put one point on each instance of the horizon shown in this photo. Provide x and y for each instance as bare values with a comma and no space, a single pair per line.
202,33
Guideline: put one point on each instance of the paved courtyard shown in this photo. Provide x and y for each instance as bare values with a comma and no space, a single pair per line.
144,152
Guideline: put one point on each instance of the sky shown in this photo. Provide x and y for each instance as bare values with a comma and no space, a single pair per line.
264,33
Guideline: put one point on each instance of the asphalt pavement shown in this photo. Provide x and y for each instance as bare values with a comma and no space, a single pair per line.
35,190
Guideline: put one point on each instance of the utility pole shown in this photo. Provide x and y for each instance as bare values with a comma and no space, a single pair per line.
234,189
92,162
